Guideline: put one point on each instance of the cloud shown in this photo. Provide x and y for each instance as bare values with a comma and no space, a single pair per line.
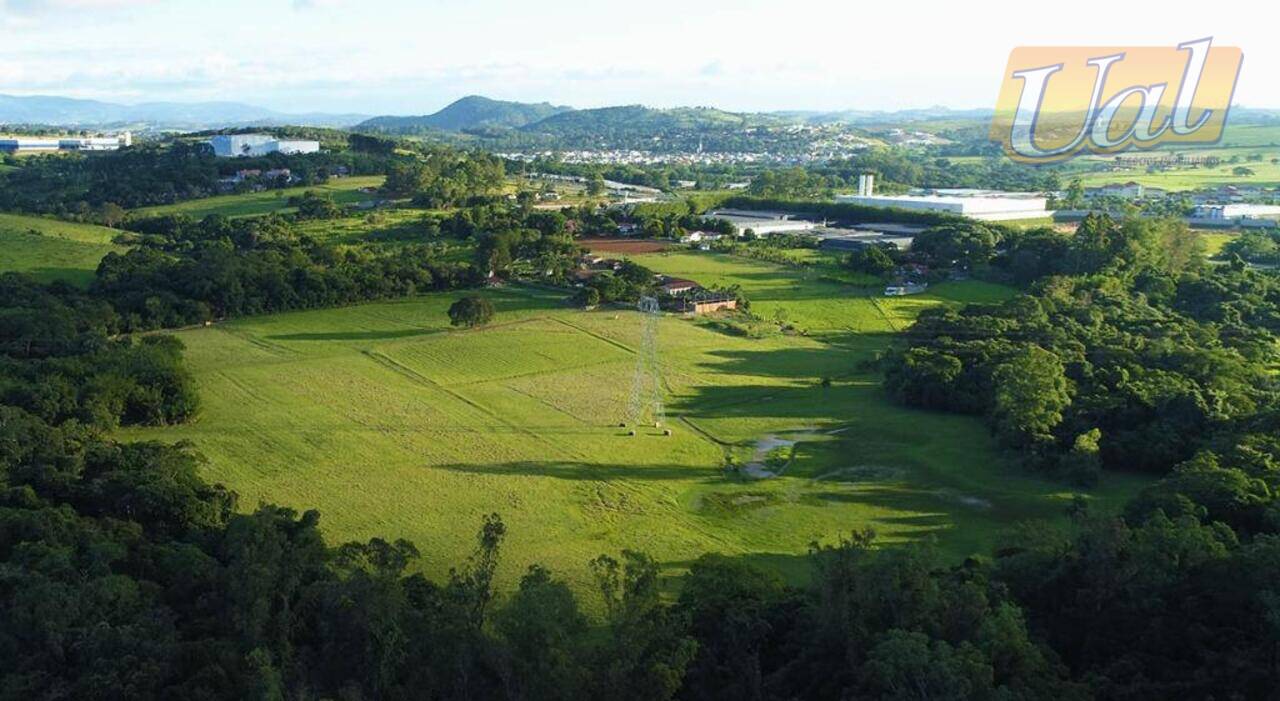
24,14
32,7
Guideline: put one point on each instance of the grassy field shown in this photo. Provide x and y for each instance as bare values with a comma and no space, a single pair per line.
344,191
394,425
1031,223
49,249
1265,174
1251,136
382,226
811,300
1215,240
1240,141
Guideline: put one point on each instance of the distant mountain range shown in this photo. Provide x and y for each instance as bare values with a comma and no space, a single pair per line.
469,114
484,117
65,111
473,114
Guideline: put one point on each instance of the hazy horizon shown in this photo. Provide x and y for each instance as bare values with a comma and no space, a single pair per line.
339,109
400,57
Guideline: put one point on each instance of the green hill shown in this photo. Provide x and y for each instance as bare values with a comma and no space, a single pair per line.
472,112
639,118
650,129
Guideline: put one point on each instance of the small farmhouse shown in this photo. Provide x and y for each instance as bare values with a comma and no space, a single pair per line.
672,286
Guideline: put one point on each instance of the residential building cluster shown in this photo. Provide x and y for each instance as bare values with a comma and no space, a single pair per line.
257,178
687,158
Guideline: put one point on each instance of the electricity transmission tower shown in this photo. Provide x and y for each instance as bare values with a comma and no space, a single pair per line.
645,407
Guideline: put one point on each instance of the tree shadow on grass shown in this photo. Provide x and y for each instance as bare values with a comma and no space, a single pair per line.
522,297
787,363
805,404
796,569
927,511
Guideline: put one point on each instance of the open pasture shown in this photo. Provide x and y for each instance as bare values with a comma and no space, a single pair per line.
50,249
395,425
1265,174
343,190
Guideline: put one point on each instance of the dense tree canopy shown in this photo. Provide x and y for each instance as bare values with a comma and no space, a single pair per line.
82,185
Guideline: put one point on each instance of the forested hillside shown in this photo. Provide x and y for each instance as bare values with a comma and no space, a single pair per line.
472,112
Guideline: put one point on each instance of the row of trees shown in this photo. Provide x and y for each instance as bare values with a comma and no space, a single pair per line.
83,186
185,272
154,289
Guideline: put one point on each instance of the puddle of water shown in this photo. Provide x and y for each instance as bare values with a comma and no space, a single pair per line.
757,468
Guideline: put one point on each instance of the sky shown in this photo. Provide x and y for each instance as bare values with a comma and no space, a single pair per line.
416,56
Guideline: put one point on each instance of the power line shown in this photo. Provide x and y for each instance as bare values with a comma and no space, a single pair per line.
645,406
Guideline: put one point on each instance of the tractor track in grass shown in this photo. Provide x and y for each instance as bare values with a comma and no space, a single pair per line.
593,334
418,378
276,349
534,373
543,402
242,386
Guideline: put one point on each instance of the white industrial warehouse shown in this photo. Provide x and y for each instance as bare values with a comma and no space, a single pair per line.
762,223
985,205
247,145
32,144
